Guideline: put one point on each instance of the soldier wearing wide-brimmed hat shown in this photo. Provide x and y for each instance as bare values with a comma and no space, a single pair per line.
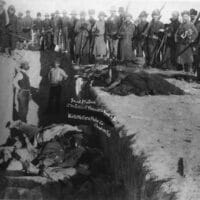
112,27
73,21
82,47
186,34
92,22
153,40
57,28
65,31
143,14
100,50
47,32
138,40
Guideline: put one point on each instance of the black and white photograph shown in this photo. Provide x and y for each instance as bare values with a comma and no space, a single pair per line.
99,100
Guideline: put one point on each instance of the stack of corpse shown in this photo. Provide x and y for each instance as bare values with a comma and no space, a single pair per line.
57,152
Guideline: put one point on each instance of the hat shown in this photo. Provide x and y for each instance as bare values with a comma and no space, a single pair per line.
129,15
39,14
121,9
175,13
11,7
20,14
24,65
143,14
2,2
57,12
46,15
83,13
64,12
28,11
102,14
185,12
113,9
193,11
156,12
91,12
73,12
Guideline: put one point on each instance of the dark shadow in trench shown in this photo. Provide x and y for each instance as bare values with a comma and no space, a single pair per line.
40,97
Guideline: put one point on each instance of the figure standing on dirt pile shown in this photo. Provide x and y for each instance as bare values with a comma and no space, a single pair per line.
194,16
56,76
169,48
27,27
57,30
100,50
92,22
47,32
22,91
126,35
65,31
186,34
139,39
12,28
73,21
82,43
4,21
20,30
112,33
37,31
152,38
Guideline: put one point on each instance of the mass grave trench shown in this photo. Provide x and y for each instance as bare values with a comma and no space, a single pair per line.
125,176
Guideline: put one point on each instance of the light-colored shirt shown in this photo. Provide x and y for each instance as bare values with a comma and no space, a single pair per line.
57,75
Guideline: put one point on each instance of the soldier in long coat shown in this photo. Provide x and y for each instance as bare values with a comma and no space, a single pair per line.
152,38
126,33
47,32
4,21
82,43
12,28
92,22
57,28
139,39
112,33
186,34
27,26
37,29
65,31
100,49
72,34
20,26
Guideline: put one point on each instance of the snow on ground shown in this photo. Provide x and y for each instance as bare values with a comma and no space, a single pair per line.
167,128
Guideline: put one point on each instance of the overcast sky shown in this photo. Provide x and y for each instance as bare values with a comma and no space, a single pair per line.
135,6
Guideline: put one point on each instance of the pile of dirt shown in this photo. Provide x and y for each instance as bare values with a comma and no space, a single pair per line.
142,83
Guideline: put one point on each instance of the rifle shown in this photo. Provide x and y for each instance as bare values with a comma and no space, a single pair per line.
146,32
187,47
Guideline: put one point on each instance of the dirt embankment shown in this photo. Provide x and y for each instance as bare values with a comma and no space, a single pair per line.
167,129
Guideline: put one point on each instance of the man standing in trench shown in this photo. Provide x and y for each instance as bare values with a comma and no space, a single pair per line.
56,76
22,91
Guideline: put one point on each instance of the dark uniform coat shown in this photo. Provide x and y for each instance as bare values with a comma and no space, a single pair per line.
139,40
65,32
27,27
112,28
152,41
3,34
47,31
186,34
126,48
12,31
82,38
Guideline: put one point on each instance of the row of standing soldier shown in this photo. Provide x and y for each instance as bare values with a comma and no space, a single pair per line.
118,37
